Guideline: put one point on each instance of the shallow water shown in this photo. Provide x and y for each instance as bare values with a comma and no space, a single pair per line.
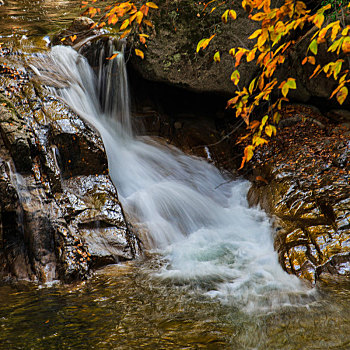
124,307
36,17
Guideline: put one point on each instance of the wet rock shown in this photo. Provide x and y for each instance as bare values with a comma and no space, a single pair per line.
80,151
59,211
14,135
78,31
307,192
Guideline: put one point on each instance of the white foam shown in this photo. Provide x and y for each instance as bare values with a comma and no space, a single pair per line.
199,221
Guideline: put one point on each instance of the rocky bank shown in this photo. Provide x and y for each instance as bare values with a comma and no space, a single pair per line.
302,179
60,216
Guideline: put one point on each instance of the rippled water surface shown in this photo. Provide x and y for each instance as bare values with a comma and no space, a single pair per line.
123,307
36,17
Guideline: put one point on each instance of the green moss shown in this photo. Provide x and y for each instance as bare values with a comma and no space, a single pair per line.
177,57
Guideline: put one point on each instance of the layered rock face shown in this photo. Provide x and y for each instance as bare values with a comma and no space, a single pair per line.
60,216
302,179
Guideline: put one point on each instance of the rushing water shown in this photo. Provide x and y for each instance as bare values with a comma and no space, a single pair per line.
186,208
210,278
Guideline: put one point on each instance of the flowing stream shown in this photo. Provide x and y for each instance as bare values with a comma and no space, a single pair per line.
210,277
186,209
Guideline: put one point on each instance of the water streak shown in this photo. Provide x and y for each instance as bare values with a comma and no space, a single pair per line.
191,214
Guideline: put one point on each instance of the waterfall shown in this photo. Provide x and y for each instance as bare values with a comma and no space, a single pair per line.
184,207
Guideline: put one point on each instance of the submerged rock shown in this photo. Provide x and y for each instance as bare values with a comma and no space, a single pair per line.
60,216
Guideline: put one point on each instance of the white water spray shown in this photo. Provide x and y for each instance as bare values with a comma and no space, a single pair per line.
208,235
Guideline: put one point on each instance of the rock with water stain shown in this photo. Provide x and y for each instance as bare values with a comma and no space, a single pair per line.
307,190
60,216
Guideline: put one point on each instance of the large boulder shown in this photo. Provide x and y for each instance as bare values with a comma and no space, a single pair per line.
171,56
60,216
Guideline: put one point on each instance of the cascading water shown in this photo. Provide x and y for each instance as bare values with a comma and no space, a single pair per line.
207,234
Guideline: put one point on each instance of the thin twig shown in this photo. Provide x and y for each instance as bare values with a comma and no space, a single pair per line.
223,138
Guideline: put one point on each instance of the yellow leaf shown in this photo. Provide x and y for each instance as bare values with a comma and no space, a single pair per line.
342,95
217,56
251,55
113,19
335,30
313,47
268,130
125,34
276,117
336,45
200,44
224,16
152,5
235,77
232,14
249,152
139,53
260,141
92,11
255,34
251,85
124,24
148,23
259,16
291,83
112,57
318,21
346,45
262,39
263,121
139,16
73,38
204,43
285,89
